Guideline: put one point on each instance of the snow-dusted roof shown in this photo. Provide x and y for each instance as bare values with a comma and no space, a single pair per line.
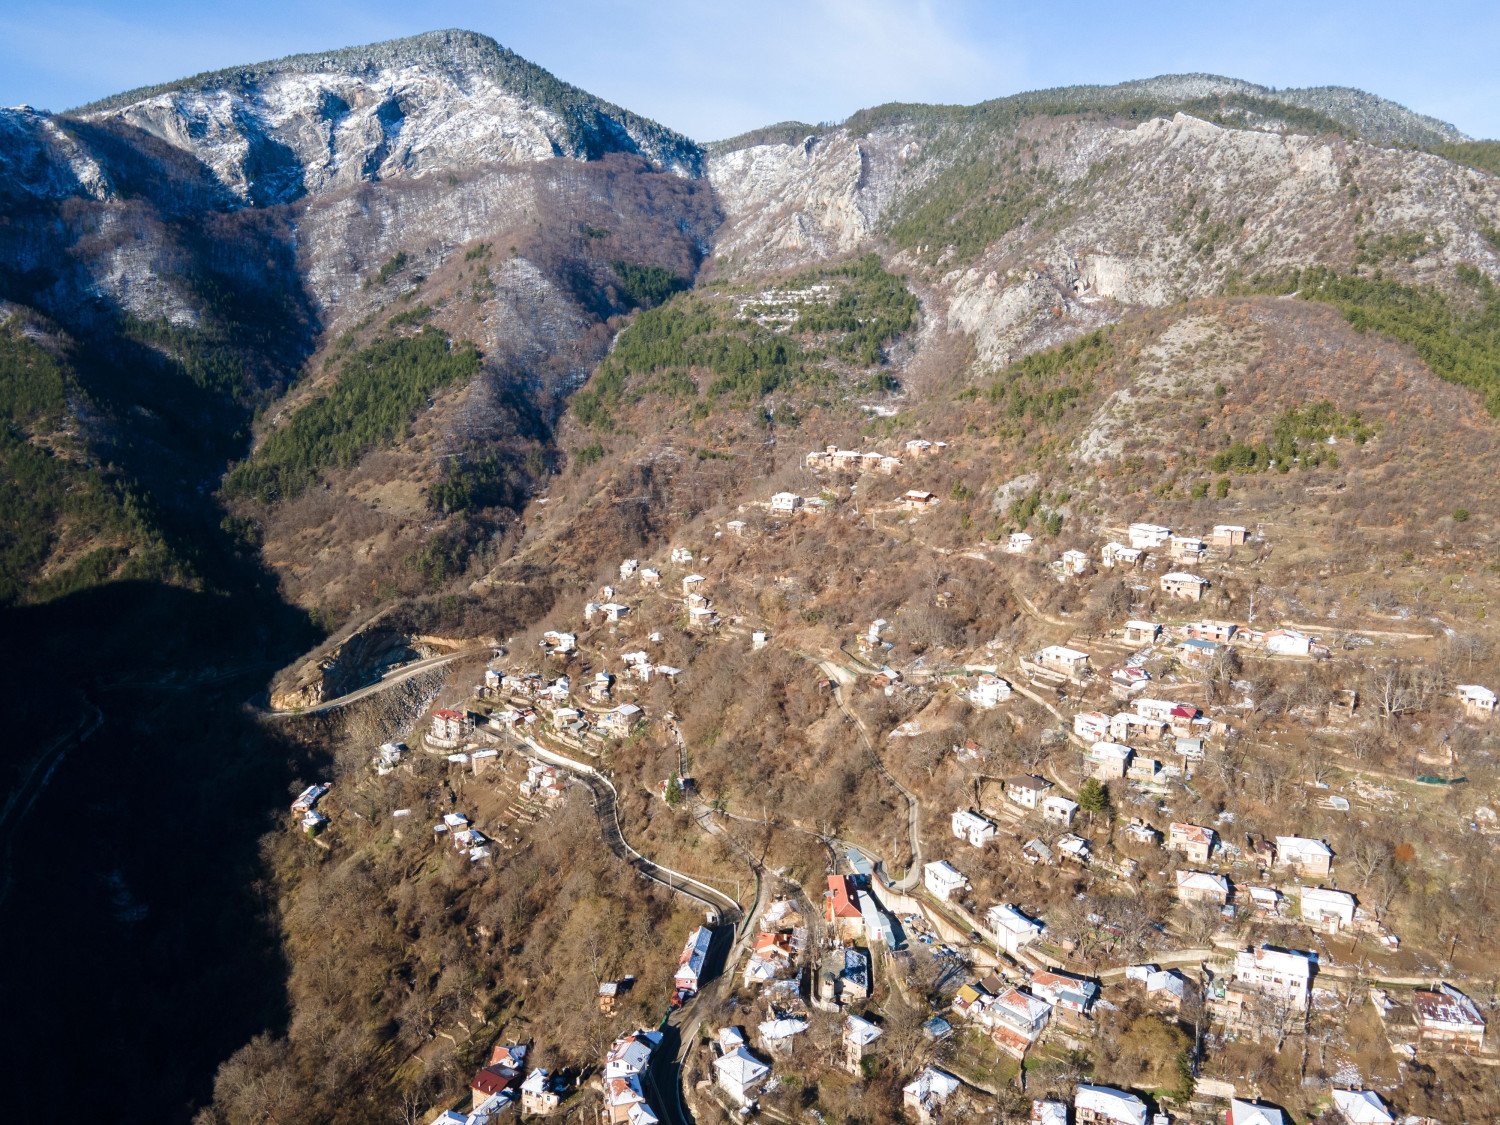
1114,1105
1361,1107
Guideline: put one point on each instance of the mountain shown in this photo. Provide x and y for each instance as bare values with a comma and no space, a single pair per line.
402,348
412,107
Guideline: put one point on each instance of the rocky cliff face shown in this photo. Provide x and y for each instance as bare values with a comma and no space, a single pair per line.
441,102
1124,215
825,194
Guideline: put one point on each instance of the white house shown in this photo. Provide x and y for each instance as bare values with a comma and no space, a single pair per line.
1117,554
1186,548
1309,857
1010,928
1019,542
1148,536
1026,790
859,1035
972,827
683,554
1288,642
989,690
1092,725
776,1034
1142,632
1252,1113
1202,886
1285,973
629,567
1326,908
1446,1015
786,502
1073,562
739,1074
1362,1107
1015,1019
539,1095
560,642
1093,1105
942,879
1110,760
1067,661
1073,847
1159,709
1049,1112
1479,702
1059,810
926,1093
1187,587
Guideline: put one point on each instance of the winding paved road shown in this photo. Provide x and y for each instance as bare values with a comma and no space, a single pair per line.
385,683
725,908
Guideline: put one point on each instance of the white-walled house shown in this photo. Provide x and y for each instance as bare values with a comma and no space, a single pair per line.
1148,536
785,503
943,879
1026,790
926,1093
1059,810
1362,1107
1478,702
1327,909
1104,1105
740,1074
970,826
1288,642
989,690
1285,973
1092,725
1066,661
1186,587
1011,928
1307,857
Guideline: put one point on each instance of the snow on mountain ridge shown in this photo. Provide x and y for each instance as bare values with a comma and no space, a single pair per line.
444,101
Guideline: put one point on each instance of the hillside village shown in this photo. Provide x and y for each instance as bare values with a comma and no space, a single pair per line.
971,613
1121,872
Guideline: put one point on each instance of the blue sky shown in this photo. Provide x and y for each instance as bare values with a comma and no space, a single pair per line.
713,68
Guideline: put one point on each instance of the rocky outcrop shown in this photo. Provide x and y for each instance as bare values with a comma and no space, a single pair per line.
789,204
339,667
437,103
